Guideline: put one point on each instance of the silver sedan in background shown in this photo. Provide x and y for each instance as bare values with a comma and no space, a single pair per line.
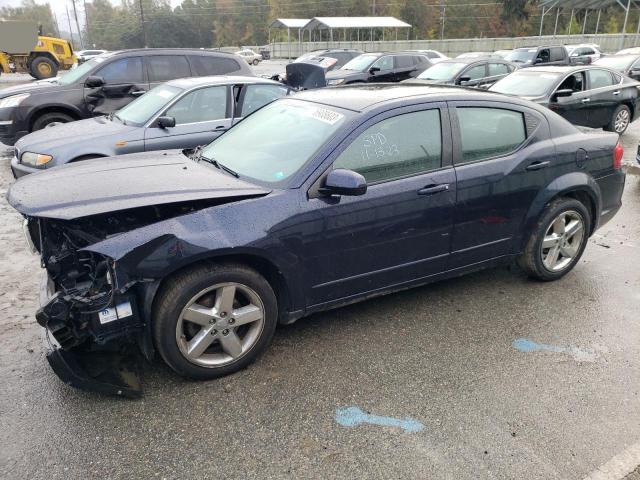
183,113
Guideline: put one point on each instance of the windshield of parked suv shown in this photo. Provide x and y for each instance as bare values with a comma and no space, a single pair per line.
141,110
526,84
617,62
442,71
76,73
521,56
360,63
276,141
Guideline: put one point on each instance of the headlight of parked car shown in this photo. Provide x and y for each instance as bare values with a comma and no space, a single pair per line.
336,82
35,159
13,100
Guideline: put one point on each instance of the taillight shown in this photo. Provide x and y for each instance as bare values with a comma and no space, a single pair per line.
618,152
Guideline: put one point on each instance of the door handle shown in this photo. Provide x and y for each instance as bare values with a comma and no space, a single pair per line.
617,92
537,166
586,100
135,93
220,127
433,189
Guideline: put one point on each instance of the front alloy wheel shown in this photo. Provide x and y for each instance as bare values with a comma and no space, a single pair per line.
213,319
220,324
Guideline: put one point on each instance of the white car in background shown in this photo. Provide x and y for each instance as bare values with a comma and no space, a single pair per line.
250,56
585,53
433,55
629,51
84,55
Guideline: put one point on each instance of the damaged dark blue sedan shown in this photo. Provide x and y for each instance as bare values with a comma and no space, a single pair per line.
312,202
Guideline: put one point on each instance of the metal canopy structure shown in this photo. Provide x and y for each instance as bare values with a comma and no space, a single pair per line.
329,24
289,23
586,5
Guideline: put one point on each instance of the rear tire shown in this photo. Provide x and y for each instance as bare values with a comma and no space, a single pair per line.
557,241
49,118
43,67
620,120
256,61
214,319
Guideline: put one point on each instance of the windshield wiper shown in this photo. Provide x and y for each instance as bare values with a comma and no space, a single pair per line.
198,157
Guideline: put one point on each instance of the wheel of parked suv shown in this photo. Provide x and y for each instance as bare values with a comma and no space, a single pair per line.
51,119
558,240
43,67
619,120
214,319
256,61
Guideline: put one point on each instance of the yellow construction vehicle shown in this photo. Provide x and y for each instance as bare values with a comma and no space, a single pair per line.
23,50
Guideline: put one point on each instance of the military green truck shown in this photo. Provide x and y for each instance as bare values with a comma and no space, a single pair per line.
23,50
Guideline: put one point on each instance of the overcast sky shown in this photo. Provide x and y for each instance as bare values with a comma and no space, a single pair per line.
59,7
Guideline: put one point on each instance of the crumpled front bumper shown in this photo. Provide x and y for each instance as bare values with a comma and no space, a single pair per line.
114,371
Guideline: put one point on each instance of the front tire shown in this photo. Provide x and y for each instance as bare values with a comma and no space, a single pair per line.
256,62
50,119
214,319
557,241
43,67
620,120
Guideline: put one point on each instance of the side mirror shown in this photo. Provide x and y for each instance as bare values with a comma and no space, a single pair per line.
166,122
94,82
344,182
564,92
463,80
373,70
537,60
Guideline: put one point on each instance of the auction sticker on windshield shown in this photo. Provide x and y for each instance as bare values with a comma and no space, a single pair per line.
326,115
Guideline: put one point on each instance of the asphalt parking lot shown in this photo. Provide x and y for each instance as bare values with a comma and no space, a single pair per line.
485,376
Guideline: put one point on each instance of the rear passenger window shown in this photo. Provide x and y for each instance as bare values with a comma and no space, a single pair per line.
404,61
167,67
489,132
396,147
204,65
497,69
257,96
599,78
124,70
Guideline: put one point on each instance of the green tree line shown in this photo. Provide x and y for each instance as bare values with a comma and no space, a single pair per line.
214,23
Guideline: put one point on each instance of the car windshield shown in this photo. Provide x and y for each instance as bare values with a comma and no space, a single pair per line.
526,84
284,135
76,73
141,110
616,62
442,71
360,63
521,56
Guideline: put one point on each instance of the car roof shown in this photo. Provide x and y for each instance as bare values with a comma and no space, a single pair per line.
469,60
538,47
561,68
362,97
191,82
171,51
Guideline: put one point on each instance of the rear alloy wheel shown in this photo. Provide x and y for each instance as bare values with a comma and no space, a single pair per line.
558,240
256,61
214,320
620,120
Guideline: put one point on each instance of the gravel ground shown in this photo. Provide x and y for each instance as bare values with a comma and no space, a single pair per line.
440,361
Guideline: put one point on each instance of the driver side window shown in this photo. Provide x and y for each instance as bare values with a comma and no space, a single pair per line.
201,105
384,63
573,82
124,70
396,147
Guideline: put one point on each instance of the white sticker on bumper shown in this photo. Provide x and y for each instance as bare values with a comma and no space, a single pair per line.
111,314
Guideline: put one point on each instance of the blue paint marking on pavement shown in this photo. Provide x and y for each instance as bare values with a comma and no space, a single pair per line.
526,345
353,416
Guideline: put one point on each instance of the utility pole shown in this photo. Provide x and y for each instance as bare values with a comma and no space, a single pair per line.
373,8
69,20
443,12
75,14
86,23
55,22
144,30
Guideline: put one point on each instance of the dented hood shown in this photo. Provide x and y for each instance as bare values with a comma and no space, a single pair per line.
119,183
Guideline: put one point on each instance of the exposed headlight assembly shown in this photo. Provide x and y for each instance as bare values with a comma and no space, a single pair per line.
338,81
36,160
13,100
